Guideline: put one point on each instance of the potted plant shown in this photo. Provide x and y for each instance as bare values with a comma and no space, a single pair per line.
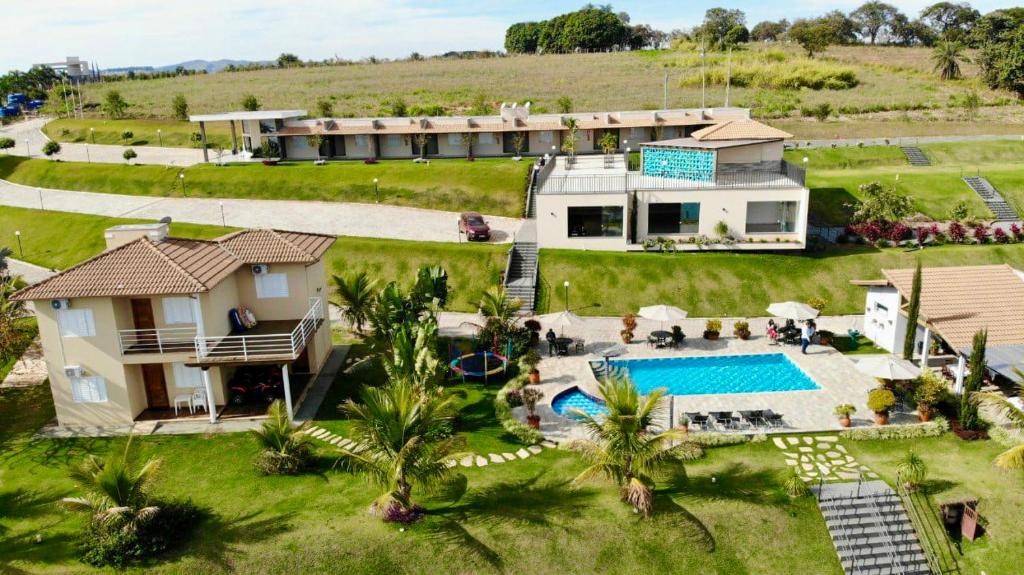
881,400
628,327
528,363
844,411
534,327
929,390
741,329
531,395
712,328
684,424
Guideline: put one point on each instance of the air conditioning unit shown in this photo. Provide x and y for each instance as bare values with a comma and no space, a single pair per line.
260,269
73,371
60,304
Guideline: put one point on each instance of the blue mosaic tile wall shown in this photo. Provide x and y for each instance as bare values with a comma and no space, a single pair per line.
696,165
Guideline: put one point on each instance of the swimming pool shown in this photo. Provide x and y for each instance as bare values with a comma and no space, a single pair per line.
718,374
573,398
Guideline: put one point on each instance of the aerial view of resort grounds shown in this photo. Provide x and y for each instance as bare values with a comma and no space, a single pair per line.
540,288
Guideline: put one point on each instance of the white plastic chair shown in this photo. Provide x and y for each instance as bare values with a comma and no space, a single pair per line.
183,399
198,399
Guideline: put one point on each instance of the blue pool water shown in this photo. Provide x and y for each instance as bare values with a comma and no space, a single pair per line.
699,376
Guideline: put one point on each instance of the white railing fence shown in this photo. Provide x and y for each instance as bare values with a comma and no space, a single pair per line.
157,340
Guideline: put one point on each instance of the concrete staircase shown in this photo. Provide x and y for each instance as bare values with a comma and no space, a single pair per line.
915,156
870,529
995,202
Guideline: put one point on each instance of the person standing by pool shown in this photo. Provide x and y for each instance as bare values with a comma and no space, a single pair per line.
806,331
551,336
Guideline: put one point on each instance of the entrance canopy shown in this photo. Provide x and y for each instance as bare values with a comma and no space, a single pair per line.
276,116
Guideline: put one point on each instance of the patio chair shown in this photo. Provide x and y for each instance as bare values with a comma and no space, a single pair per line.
198,399
652,341
698,419
725,420
580,345
181,400
754,417
773,420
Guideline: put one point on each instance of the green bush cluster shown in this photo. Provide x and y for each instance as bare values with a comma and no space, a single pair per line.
933,428
792,75
714,439
107,543
503,411
1004,437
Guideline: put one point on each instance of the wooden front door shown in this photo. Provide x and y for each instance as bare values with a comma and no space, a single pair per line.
142,314
156,386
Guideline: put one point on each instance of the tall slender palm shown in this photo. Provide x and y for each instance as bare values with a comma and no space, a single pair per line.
398,431
355,295
623,449
495,304
116,489
947,56
1012,458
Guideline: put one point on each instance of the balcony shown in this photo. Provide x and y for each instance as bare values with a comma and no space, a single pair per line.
269,342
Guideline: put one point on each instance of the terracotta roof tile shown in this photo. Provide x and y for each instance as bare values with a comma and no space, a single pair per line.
740,130
959,301
176,265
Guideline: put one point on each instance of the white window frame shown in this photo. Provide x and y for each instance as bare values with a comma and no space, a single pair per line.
89,389
455,139
362,140
178,310
76,323
269,286
186,377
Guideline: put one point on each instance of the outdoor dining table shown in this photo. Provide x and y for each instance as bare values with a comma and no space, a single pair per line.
562,345
662,336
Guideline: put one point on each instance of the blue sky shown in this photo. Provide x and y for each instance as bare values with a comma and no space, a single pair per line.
158,32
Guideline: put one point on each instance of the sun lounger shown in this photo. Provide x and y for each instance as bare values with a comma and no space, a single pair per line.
725,420
699,419
773,419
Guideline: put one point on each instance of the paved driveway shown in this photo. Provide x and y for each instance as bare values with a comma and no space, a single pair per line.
335,218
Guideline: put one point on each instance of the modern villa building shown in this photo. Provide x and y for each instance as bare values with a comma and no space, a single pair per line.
150,328
515,131
724,186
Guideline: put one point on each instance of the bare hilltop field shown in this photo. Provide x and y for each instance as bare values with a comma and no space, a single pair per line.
869,90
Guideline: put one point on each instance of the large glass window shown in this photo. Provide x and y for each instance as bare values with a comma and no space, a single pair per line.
673,218
595,221
771,217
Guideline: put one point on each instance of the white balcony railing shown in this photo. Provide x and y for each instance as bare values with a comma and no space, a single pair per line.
288,344
256,346
168,340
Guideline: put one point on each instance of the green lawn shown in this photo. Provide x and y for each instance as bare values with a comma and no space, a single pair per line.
172,133
727,515
735,284
956,470
834,175
58,240
494,186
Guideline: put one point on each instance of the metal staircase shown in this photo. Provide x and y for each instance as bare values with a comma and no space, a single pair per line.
915,156
870,529
521,274
995,202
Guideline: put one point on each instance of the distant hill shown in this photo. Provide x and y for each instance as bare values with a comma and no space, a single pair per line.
210,66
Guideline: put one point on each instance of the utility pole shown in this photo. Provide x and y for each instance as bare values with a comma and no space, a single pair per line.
728,75
64,88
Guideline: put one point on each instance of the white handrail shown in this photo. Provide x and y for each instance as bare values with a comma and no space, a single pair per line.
288,345
164,340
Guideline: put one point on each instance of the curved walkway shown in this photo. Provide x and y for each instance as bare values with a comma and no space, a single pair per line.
334,218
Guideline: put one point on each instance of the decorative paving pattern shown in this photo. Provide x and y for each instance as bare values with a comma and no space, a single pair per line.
470,460
821,457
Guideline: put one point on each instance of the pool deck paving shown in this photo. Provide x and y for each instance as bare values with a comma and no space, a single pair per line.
836,375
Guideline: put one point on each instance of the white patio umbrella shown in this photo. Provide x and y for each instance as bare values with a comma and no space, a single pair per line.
793,310
888,367
662,313
560,320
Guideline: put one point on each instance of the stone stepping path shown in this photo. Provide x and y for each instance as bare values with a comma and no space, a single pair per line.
821,457
470,460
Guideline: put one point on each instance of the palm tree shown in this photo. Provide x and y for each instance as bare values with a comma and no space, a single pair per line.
413,356
947,56
623,449
397,429
117,489
12,312
285,448
1012,458
355,296
569,145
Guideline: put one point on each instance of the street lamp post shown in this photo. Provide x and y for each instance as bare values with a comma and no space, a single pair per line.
181,176
21,251
88,158
159,138
40,192
92,135
566,286
376,189
223,220
28,152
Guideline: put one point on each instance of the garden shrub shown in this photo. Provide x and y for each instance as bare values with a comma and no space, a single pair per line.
503,411
1004,437
714,439
933,428
107,543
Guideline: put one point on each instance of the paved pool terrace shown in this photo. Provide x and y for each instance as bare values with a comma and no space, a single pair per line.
836,375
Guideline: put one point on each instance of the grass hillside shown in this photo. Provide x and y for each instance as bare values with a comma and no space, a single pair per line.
834,175
769,79
493,186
